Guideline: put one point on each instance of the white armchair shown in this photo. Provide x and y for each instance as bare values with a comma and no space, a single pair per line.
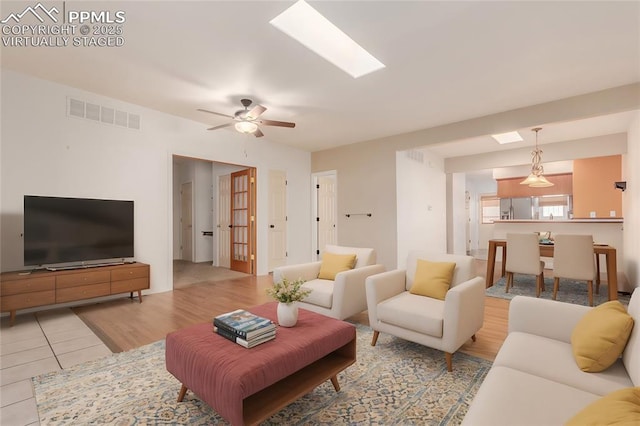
440,324
341,298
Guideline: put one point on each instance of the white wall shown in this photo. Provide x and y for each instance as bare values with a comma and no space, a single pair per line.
203,211
631,206
421,204
480,233
456,214
45,152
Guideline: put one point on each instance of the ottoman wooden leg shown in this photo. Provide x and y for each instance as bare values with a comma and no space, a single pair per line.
334,382
183,391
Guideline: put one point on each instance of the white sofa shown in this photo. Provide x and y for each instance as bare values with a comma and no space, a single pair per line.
341,298
534,379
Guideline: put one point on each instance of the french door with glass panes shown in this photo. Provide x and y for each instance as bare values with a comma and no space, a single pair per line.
243,190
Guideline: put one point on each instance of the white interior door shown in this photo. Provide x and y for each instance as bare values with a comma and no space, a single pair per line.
327,212
277,219
224,221
186,221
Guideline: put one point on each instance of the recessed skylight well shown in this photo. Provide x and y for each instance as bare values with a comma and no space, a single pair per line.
508,137
304,24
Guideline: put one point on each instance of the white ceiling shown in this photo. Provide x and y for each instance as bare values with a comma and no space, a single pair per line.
445,62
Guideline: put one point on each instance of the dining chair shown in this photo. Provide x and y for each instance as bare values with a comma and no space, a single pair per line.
523,257
573,258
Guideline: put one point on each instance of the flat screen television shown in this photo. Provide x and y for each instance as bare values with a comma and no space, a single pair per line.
61,230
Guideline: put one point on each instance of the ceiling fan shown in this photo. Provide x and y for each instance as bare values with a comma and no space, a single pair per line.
247,120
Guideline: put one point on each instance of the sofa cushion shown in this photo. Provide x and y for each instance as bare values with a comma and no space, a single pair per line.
511,397
333,264
432,279
621,407
321,292
600,336
418,313
553,360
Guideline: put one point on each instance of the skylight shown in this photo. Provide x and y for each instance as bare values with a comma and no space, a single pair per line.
304,24
508,137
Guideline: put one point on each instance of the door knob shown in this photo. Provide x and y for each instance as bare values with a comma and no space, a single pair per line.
272,226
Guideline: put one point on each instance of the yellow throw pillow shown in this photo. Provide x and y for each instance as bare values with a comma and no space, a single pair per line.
621,407
332,264
432,279
600,336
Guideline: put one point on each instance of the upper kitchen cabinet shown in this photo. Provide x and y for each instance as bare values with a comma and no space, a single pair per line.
593,187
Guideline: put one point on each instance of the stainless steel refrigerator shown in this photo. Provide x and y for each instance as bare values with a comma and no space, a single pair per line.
516,208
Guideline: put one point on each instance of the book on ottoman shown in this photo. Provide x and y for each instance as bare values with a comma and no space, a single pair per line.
254,341
244,324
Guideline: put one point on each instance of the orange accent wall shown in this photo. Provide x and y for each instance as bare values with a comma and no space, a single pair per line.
593,187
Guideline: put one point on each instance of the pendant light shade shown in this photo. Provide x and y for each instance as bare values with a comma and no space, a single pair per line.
536,178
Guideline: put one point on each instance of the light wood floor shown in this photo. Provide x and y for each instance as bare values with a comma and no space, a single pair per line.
125,324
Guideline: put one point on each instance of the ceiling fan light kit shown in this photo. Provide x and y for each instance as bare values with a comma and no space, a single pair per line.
246,126
247,119
536,178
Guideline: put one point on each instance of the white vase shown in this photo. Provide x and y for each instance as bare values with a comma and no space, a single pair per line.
287,314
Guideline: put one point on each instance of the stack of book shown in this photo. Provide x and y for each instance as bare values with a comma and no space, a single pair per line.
244,328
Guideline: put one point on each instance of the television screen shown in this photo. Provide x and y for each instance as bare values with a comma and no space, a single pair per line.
67,230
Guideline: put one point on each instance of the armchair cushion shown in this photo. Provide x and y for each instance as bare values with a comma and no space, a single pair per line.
432,279
321,292
332,264
421,314
600,336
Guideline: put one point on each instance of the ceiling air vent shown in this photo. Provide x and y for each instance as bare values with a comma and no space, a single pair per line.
102,114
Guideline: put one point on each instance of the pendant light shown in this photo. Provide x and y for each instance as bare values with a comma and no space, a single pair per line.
536,179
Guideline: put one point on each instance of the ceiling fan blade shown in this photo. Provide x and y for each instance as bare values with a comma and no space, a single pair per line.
220,126
255,112
215,113
277,123
258,133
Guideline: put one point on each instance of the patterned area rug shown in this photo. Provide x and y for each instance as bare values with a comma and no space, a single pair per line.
394,383
570,291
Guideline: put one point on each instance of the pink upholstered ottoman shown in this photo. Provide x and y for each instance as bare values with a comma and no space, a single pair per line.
246,386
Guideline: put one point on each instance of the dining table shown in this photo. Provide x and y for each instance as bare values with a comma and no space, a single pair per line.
546,250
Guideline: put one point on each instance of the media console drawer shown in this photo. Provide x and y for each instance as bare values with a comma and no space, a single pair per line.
27,285
22,290
82,292
28,300
82,278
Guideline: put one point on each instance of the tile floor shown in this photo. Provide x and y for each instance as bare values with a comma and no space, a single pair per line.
37,344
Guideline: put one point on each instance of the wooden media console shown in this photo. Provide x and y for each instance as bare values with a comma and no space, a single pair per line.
20,290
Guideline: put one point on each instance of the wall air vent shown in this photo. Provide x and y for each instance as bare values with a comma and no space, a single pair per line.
121,118
93,112
102,114
415,155
76,108
107,115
